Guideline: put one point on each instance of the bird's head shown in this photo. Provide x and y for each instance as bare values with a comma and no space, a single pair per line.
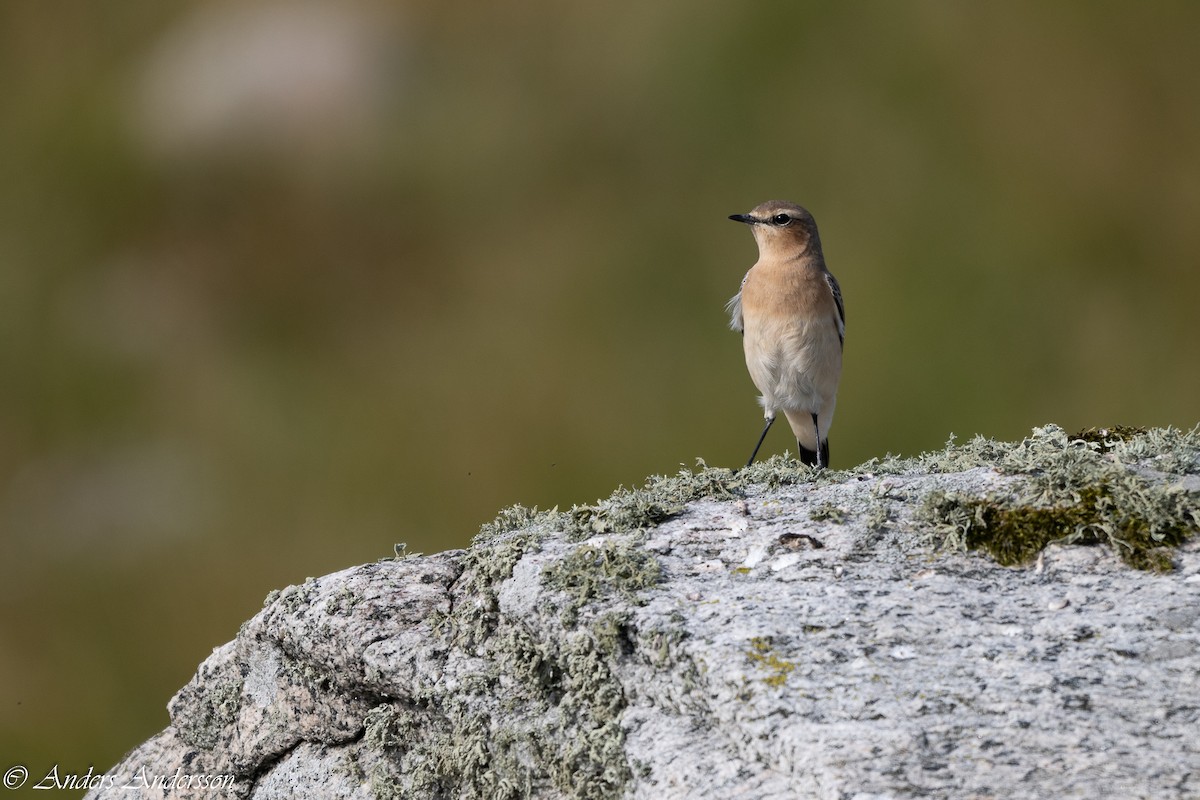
782,229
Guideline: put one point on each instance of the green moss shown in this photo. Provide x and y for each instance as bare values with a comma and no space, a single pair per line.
1016,534
1078,490
762,656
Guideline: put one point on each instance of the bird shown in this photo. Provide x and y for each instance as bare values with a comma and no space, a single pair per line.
790,313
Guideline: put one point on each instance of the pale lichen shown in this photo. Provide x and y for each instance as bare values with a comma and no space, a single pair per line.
216,708
533,713
539,715
592,570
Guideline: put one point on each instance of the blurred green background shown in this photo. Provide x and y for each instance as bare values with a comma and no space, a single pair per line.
282,284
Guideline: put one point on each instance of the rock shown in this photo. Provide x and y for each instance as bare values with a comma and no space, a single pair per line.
775,633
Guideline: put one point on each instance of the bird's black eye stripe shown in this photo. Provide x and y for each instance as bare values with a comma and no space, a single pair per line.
781,219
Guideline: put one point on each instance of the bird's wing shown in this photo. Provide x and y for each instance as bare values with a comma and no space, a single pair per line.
841,308
734,307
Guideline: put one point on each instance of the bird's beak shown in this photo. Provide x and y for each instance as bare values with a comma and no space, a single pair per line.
746,218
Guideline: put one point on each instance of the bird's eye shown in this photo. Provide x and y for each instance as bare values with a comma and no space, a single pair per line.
781,219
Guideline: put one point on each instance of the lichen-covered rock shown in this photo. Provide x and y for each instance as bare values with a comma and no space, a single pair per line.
774,633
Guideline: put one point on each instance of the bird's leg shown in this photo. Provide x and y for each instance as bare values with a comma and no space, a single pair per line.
761,437
820,452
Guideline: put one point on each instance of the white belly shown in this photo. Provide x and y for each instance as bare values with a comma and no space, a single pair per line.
796,365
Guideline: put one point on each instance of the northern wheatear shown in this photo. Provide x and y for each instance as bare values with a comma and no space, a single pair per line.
789,311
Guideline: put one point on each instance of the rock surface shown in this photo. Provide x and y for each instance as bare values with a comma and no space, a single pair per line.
771,634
